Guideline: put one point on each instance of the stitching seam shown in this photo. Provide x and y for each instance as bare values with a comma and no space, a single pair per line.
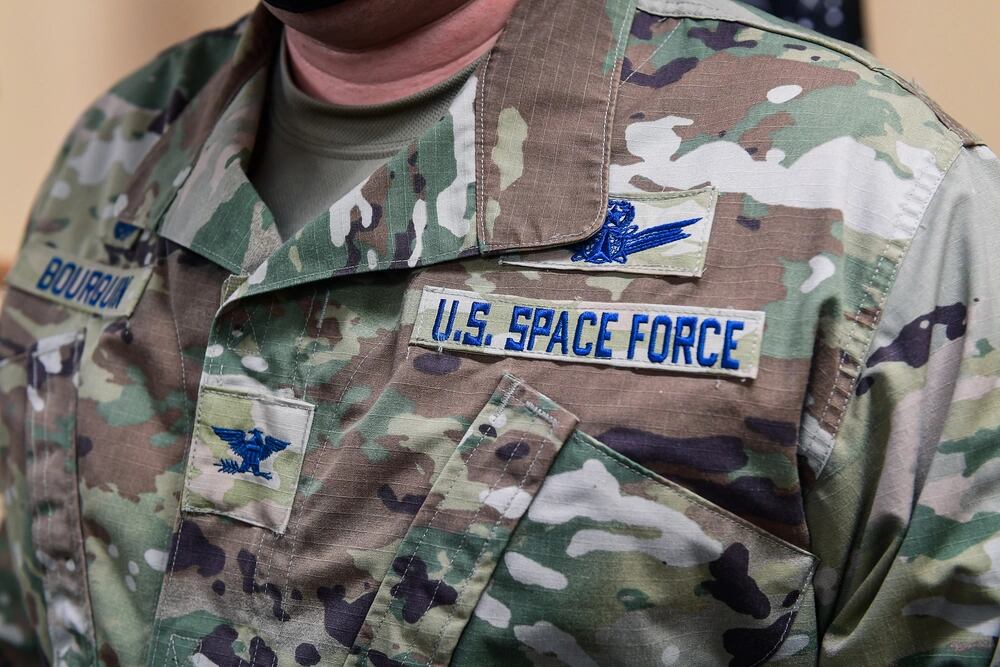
748,372
629,12
693,498
655,51
802,587
461,546
541,414
486,543
319,452
667,195
868,288
260,398
481,176
616,268
427,528
580,305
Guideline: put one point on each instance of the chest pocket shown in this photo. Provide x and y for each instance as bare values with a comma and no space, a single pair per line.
539,542
38,450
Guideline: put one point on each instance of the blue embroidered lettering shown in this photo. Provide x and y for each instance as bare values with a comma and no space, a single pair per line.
636,335
538,328
76,281
122,289
684,341
251,446
560,334
58,285
478,308
578,350
729,345
109,294
658,356
518,328
437,333
92,280
49,274
82,284
603,335
99,289
707,360
651,336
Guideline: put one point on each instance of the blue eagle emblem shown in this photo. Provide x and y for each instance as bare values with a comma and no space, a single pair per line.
251,446
618,237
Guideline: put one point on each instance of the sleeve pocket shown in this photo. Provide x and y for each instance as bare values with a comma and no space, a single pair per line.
42,519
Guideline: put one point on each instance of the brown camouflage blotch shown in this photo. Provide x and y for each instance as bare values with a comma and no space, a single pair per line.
717,109
758,140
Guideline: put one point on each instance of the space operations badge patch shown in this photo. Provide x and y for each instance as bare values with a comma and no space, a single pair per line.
56,275
653,337
653,233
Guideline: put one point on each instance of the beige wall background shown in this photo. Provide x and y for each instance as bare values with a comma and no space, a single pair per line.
58,55
950,47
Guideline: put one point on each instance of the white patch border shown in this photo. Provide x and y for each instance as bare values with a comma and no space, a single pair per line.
662,269
420,334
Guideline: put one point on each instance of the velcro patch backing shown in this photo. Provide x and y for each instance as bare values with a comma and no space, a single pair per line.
654,337
653,233
60,276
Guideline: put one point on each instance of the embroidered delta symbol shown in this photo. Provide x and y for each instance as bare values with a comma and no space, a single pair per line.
619,237
252,448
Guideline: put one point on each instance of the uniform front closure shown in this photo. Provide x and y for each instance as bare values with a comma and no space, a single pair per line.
418,209
644,353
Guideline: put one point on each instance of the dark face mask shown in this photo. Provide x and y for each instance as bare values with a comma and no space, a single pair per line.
300,6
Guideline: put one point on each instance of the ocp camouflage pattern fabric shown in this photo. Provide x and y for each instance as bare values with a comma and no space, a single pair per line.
252,457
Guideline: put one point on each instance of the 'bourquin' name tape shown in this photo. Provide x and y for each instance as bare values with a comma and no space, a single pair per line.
656,337
94,287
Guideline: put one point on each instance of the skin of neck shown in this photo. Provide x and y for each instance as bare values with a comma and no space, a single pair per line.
365,52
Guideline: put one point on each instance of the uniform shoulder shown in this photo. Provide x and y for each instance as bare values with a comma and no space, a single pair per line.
111,137
749,31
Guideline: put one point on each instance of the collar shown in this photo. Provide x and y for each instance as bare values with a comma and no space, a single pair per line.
519,162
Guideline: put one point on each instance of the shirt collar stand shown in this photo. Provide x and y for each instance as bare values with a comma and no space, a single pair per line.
519,162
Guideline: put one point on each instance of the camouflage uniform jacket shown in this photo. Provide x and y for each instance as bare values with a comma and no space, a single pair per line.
673,342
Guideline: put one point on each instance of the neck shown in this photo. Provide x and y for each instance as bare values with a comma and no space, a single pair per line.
384,72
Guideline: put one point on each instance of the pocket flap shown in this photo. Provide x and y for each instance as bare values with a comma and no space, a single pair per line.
455,541
613,564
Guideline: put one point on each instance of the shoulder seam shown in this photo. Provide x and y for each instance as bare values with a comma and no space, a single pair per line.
700,10
856,342
709,10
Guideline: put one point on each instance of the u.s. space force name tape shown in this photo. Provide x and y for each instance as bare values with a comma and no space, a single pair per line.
56,275
638,335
